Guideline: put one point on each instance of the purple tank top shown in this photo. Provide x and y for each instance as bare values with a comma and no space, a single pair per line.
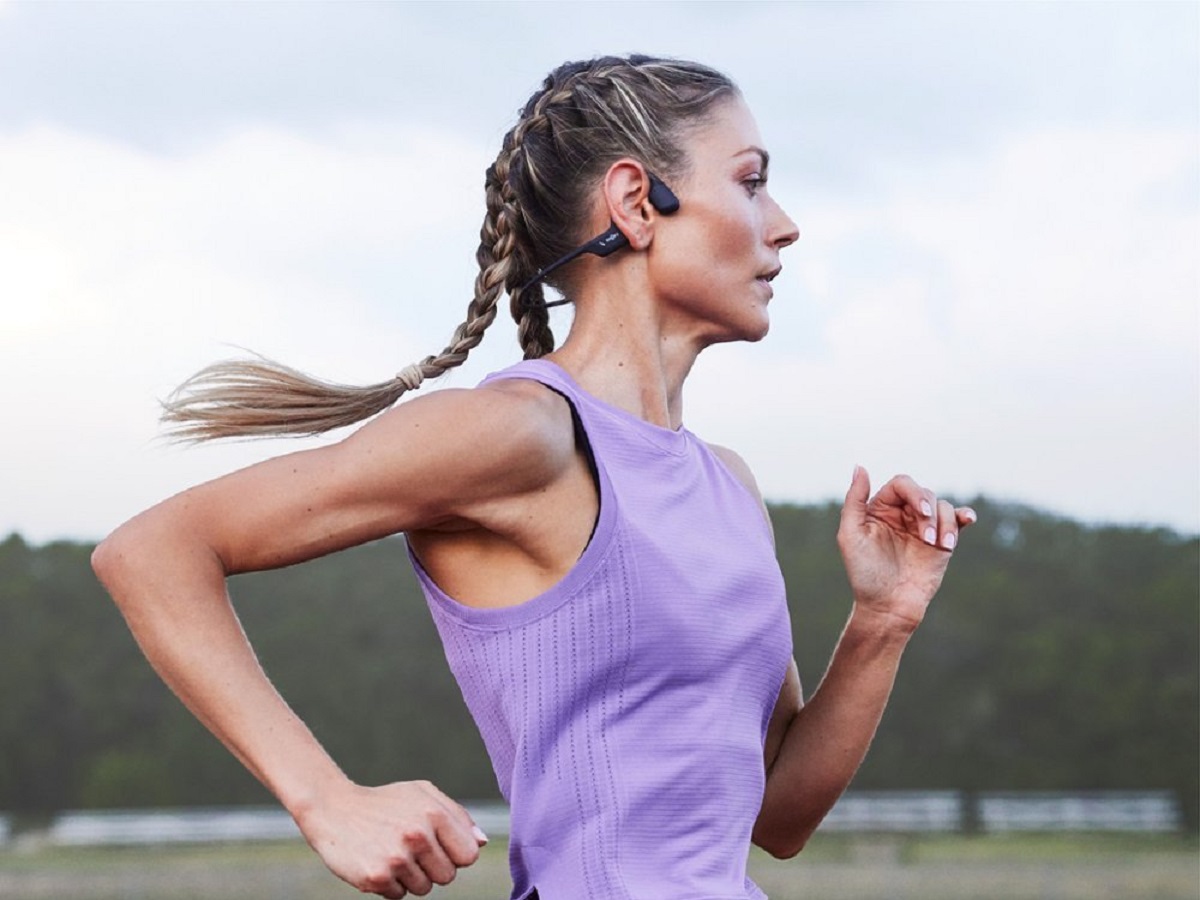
625,709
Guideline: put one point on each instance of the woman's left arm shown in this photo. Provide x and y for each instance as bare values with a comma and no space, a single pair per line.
896,546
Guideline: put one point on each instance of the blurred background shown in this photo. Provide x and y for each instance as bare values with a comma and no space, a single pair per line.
995,290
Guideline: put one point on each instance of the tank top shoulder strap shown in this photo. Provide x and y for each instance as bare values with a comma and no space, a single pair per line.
606,425
542,371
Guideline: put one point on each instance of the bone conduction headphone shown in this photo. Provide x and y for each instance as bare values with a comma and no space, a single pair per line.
661,198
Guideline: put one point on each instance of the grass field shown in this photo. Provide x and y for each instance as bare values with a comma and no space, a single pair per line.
834,867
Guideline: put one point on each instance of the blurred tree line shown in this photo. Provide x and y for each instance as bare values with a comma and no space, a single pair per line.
1056,656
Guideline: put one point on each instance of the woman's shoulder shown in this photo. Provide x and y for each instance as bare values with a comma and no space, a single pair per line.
741,471
536,419
511,434
737,467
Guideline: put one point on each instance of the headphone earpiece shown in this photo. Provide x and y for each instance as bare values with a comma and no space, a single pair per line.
662,197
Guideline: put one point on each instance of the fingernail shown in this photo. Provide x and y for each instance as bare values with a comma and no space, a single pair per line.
926,509
949,541
930,535
970,514
479,835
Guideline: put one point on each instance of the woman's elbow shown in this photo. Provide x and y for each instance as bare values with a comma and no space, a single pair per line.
104,560
115,559
109,558
781,845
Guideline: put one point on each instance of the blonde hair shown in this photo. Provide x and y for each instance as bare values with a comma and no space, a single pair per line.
585,116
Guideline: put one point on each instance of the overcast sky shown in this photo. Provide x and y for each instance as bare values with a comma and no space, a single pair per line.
996,288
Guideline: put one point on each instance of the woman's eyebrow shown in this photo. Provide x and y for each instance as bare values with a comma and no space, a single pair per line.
763,155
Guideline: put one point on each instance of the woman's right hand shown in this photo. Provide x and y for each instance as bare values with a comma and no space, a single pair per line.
391,840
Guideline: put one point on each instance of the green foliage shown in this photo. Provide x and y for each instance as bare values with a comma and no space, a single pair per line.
1056,656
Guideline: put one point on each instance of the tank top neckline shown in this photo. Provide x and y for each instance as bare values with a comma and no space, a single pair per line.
671,440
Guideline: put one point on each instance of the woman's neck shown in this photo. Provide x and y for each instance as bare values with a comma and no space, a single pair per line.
621,351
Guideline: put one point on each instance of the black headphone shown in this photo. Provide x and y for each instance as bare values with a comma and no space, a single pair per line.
661,198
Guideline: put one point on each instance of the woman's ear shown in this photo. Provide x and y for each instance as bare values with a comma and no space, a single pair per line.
626,199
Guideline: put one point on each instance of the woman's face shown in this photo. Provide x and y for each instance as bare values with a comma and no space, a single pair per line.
711,263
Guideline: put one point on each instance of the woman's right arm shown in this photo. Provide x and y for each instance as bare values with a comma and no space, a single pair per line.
417,466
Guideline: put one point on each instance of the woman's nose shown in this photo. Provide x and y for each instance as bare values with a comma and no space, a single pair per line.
784,231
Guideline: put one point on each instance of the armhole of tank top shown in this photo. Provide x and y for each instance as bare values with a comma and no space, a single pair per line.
584,442
591,555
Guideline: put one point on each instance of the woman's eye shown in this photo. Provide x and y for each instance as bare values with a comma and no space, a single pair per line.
754,183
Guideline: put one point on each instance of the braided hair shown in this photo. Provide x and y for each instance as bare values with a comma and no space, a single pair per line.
585,116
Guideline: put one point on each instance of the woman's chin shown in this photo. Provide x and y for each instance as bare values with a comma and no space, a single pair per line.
756,331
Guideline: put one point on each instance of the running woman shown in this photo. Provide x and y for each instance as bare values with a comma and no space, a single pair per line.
604,582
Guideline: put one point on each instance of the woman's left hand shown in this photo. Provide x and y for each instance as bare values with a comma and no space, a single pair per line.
896,545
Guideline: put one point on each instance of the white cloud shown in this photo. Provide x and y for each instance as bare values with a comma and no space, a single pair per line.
122,272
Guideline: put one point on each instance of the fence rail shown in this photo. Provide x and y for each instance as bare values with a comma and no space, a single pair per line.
198,826
1116,811
897,811
864,812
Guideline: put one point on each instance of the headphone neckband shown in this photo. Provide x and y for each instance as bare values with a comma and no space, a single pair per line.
661,197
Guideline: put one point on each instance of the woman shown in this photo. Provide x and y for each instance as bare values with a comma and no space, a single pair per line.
604,582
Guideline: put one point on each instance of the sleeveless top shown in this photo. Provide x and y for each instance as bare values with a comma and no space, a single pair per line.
625,709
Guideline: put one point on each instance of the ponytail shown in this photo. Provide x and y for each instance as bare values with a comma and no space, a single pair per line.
263,398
